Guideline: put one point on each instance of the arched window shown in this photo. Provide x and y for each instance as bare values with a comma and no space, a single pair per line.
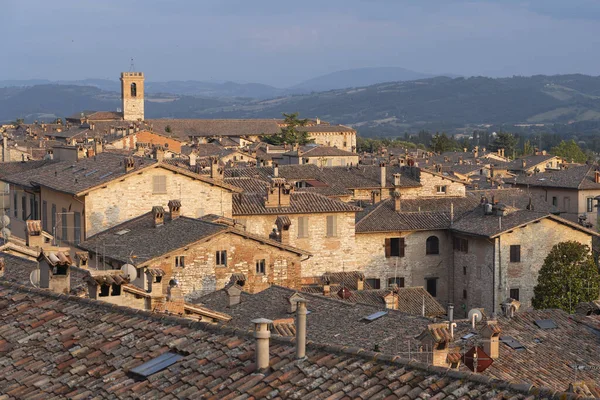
432,245
133,90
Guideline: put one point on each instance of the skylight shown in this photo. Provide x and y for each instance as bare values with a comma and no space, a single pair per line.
375,316
156,364
91,172
546,324
512,343
122,232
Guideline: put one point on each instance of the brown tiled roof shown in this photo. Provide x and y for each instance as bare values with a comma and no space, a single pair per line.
530,161
17,269
320,151
54,346
107,279
185,128
300,203
11,168
249,185
325,128
579,177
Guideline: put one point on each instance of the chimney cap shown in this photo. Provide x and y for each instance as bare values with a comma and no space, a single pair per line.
259,321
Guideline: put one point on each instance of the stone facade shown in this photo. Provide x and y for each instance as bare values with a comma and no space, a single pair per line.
133,196
329,254
433,185
201,274
341,140
132,95
130,142
487,268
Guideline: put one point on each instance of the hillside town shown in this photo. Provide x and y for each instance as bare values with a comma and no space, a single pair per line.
218,258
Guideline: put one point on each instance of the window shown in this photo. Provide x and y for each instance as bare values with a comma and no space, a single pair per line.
432,245
374,283
302,227
260,267
133,90
221,258
53,227
45,215
343,162
464,270
555,201
461,245
104,290
24,208
61,270
441,189
116,290
331,225
394,247
515,253
76,227
180,261
15,201
514,294
465,294
431,286
63,219
590,204
396,281
159,184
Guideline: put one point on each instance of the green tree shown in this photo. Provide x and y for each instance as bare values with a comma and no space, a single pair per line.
168,128
569,276
527,148
289,133
570,151
442,143
506,141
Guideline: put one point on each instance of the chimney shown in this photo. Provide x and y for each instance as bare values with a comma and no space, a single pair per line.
464,149
391,298
451,323
262,335
2,265
597,176
97,146
436,338
476,151
158,212
234,293
175,298
34,234
129,164
530,205
326,288
279,194
193,158
523,163
510,307
397,180
382,171
501,152
544,152
159,154
82,259
318,121
216,172
491,333
397,201
283,226
275,170
174,209
360,282
375,196
301,328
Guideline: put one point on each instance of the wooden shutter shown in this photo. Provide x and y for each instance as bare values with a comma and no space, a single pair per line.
388,247
401,247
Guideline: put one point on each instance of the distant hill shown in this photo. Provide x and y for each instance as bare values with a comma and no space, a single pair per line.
358,77
387,109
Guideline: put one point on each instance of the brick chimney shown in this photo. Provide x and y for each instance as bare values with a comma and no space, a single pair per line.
279,193
262,334
159,154
491,333
193,158
129,164
234,294
397,201
216,172
375,196
391,298
436,338
34,234
82,259
283,226
55,270
158,213
175,209
175,298
360,282
382,175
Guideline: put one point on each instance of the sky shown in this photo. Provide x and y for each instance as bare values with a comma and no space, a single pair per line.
283,42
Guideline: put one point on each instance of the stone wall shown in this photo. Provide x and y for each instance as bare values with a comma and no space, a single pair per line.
329,254
132,196
341,140
201,275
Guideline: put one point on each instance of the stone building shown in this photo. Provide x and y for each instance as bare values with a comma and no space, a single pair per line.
201,256
132,95
75,200
321,156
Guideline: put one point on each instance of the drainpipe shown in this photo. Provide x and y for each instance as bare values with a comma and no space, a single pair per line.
301,313
262,335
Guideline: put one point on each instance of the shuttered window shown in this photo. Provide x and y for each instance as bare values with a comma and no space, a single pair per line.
65,227
221,258
260,267
394,247
45,215
332,225
76,227
302,227
515,253
53,227
159,184
461,245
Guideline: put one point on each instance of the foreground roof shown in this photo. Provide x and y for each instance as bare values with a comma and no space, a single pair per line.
300,203
54,346
573,177
185,128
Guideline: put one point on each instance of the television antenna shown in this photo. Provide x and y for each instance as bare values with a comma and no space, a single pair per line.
131,66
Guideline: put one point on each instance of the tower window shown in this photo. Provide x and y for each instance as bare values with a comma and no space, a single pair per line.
133,90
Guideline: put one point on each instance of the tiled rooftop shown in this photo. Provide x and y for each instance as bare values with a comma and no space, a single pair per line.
53,346
300,203
574,177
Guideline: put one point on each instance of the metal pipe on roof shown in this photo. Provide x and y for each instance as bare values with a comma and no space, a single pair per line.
301,313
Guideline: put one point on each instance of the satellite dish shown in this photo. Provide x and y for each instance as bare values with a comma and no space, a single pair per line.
4,221
130,271
5,233
173,283
475,315
34,278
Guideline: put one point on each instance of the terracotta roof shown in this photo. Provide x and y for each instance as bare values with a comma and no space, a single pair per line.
64,347
107,278
185,128
300,203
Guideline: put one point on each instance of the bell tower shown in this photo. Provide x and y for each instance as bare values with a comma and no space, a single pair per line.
132,94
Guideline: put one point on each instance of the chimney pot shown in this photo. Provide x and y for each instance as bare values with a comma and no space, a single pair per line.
383,176
262,334
234,293
174,209
397,201
301,313
158,212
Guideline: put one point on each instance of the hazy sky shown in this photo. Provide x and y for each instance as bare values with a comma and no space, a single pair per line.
282,42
